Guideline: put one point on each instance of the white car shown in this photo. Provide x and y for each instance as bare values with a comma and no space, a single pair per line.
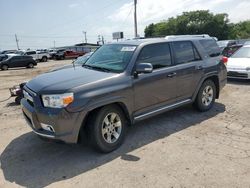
238,65
38,55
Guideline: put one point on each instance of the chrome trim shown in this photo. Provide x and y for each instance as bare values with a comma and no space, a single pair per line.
162,108
27,96
29,91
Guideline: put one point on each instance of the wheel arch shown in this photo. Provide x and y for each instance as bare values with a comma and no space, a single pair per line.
83,132
215,79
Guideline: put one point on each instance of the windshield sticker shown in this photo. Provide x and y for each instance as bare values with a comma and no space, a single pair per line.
128,49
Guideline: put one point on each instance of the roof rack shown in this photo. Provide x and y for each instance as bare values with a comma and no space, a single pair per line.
186,36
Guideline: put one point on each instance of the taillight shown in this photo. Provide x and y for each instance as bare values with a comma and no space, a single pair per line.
224,60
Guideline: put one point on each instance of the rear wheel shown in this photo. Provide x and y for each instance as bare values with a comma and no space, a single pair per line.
30,65
107,129
206,96
44,59
4,67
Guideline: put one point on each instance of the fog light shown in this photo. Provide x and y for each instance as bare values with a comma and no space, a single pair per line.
47,127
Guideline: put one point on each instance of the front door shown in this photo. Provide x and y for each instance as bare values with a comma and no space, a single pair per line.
158,88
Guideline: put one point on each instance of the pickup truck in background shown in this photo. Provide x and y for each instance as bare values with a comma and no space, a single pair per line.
41,56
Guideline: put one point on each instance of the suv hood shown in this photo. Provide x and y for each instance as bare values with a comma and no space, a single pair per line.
65,79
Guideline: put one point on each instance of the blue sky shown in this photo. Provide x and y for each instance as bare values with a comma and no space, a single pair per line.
38,23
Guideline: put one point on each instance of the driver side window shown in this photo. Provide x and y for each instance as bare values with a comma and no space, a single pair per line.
156,54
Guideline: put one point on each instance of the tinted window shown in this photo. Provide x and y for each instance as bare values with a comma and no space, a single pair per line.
31,53
185,52
211,47
156,54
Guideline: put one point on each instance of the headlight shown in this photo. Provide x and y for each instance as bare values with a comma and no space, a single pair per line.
58,101
248,68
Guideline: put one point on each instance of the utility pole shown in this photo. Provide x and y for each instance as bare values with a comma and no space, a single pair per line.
17,42
102,40
54,44
85,35
135,18
99,39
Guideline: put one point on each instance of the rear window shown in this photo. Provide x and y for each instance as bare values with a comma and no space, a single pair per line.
211,47
185,52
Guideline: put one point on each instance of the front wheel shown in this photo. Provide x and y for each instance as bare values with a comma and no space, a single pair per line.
4,67
206,96
107,129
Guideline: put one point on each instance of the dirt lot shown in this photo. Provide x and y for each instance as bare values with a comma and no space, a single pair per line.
181,148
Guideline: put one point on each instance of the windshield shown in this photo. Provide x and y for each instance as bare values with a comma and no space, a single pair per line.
244,52
113,57
81,60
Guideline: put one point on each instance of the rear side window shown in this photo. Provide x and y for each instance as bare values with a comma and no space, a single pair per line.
156,54
211,47
185,52
31,53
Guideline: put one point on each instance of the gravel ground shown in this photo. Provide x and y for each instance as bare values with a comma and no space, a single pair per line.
180,148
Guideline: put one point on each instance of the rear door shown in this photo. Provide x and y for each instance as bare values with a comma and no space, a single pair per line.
155,89
15,61
189,68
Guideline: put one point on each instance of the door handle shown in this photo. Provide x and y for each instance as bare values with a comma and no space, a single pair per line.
171,75
200,67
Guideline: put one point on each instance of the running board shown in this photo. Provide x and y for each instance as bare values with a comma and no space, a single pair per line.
165,108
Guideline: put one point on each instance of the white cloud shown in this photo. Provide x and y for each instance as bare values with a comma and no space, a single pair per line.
73,5
150,11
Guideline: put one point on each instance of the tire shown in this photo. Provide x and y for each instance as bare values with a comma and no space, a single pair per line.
30,65
18,100
44,59
5,67
206,96
108,129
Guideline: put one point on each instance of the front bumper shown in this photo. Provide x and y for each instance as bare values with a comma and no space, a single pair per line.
66,126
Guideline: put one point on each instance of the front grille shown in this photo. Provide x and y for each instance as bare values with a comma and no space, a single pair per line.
237,74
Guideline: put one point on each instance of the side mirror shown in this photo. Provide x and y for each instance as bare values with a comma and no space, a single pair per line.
144,68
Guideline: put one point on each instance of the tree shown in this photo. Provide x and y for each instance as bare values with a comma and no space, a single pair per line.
194,22
240,30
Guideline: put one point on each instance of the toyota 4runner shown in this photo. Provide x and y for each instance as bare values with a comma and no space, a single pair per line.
122,83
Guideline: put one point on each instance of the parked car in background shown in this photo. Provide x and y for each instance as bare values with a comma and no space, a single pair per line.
71,52
230,50
123,83
238,65
38,55
59,54
225,43
3,57
78,62
14,61
8,52
52,53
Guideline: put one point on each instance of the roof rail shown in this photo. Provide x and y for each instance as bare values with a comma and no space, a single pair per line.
186,36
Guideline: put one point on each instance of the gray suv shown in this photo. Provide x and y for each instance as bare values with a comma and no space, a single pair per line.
122,83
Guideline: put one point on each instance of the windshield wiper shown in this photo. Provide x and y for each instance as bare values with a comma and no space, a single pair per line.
96,68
